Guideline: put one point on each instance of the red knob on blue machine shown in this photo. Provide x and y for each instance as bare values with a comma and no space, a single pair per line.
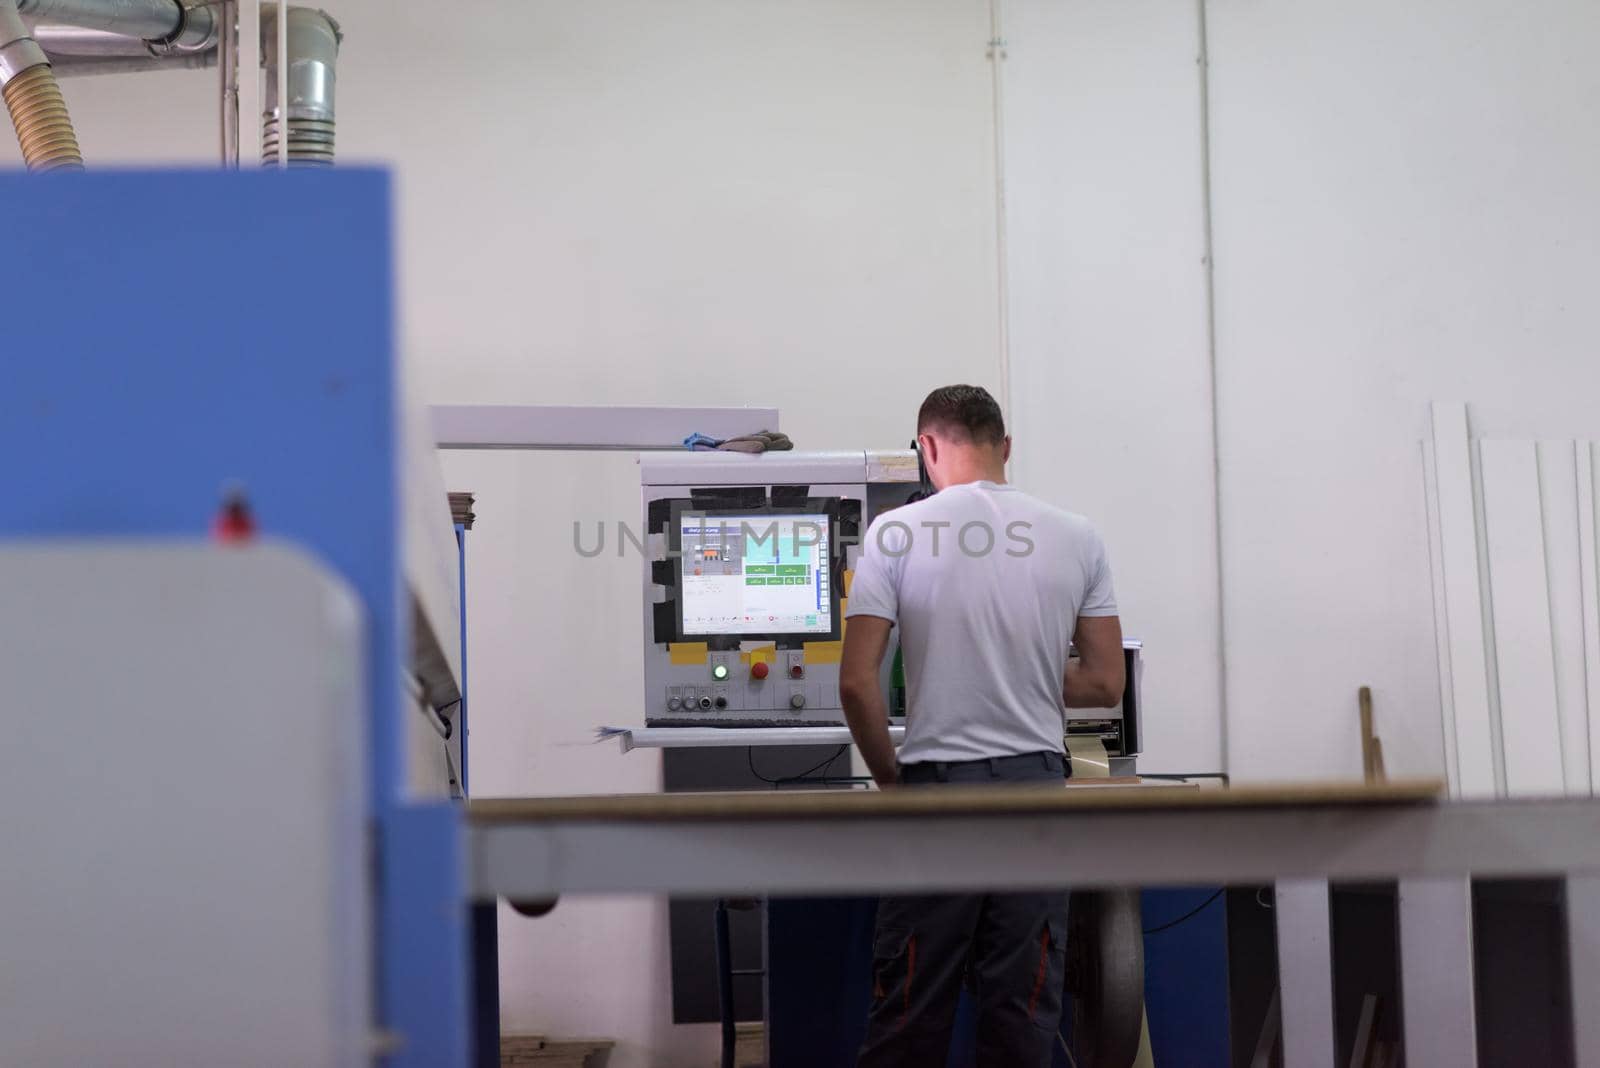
234,522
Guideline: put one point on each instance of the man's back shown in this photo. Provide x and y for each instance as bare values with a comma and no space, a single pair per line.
986,585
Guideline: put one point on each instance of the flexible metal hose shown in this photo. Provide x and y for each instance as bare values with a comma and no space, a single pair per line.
43,126
310,142
313,50
34,99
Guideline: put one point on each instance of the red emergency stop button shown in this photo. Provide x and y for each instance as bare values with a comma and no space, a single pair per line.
758,670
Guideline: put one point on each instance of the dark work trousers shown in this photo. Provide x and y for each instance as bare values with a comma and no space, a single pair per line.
1012,947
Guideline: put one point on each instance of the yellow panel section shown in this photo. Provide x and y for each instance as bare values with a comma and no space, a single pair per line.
848,576
688,652
823,652
760,654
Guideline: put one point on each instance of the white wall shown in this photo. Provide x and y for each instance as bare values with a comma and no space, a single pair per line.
1109,353
1404,211
708,202
732,203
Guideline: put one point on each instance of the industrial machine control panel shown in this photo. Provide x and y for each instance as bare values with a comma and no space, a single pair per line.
747,568
747,571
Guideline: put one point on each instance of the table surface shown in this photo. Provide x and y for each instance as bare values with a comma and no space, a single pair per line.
943,801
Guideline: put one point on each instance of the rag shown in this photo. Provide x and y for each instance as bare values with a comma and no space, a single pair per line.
761,441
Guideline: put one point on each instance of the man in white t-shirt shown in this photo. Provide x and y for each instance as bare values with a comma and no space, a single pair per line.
989,587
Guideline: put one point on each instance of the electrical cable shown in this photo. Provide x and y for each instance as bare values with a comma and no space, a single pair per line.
1061,1038
1191,914
750,759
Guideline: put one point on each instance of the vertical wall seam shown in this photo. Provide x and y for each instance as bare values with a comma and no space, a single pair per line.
1591,548
1491,651
1583,658
1540,479
1203,61
1441,618
1583,487
997,58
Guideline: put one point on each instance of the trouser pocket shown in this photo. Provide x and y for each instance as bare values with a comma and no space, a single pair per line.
894,965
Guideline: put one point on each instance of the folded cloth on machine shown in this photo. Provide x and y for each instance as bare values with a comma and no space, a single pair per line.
761,441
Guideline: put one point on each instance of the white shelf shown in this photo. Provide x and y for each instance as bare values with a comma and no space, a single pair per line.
716,737
589,427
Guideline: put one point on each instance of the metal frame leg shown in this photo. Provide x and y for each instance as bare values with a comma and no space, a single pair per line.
1436,975
1305,972
1583,954
485,923
730,1037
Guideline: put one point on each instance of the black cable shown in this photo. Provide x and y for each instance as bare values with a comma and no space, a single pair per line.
750,758
1191,914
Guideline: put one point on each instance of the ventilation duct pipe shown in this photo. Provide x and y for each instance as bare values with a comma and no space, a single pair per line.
81,66
117,36
75,51
166,26
313,42
74,42
44,129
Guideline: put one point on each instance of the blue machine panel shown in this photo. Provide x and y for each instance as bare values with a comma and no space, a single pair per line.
175,332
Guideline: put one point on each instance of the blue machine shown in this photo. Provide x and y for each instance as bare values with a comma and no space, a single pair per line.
148,364
819,966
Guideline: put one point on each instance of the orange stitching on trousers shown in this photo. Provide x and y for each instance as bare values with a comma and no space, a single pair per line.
1044,964
911,972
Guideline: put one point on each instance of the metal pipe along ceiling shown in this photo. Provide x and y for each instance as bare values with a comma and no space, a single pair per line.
61,41
167,24
149,20
83,66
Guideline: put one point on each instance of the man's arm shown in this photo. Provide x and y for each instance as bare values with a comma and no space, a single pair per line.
865,642
1095,678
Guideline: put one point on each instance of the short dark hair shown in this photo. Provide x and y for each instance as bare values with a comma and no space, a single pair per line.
963,411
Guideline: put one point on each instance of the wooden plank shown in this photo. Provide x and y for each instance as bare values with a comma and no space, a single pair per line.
1589,564
1441,625
958,800
1369,741
1558,497
1267,1040
1469,668
1518,590
1362,1052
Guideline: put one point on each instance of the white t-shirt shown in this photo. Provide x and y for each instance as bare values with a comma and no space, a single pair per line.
986,584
